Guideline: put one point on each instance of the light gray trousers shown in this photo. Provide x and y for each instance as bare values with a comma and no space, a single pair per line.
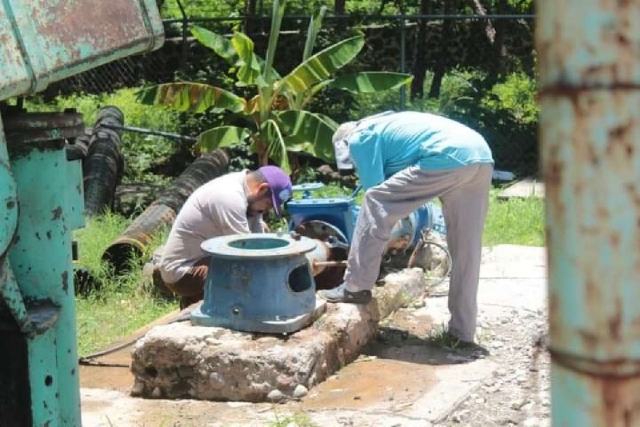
464,194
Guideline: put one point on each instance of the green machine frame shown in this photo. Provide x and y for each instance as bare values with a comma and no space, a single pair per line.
41,194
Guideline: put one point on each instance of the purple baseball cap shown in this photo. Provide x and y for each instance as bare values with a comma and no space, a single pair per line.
280,185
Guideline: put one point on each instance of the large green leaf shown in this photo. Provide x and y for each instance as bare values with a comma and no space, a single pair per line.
249,68
274,33
299,99
276,148
312,32
220,137
191,97
217,43
309,132
266,91
223,47
298,147
321,65
371,81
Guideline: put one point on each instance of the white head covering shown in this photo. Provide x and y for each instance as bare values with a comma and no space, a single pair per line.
344,131
340,146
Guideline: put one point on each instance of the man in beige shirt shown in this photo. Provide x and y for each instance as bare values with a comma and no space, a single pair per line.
231,204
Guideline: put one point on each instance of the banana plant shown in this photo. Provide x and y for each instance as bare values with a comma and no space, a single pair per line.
279,124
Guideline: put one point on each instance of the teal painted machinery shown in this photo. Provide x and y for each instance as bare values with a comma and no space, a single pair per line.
41,194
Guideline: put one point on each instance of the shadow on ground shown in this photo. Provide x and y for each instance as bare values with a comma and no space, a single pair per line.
401,364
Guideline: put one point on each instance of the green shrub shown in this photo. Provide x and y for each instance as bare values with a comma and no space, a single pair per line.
505,114
517,94
455,86
143,153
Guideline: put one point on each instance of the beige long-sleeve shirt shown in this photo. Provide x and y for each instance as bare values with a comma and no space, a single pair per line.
218,208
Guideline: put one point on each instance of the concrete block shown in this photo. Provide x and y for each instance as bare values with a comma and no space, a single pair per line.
180,360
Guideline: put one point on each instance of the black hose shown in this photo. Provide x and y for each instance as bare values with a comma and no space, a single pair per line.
421,244
103,166
134,241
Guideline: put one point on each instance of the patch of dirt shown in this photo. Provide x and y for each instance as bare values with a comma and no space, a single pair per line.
518,394
394,370
106,377
372,382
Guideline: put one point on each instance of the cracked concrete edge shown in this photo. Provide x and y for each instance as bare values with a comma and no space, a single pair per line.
454,385
448,410
105,408
184,361
342,417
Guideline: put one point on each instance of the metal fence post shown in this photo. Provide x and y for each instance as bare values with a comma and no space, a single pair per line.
403,65
185,26
590,144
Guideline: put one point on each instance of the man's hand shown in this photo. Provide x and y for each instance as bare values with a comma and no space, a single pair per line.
265,227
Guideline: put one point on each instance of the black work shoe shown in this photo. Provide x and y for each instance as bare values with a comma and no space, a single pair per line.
341,294
471,347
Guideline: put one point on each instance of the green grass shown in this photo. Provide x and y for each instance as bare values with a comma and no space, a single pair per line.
125,304
440,336
516,222
297,420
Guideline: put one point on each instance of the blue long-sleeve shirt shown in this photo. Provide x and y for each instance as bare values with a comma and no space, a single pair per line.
389,143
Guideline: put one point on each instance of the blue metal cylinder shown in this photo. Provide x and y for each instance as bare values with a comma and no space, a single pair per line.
337,211
342,213
429,216
408,231
258,283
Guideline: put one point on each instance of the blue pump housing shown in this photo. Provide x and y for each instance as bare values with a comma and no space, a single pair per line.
262,283
340,212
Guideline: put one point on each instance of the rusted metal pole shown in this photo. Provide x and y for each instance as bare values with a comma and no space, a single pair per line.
589,54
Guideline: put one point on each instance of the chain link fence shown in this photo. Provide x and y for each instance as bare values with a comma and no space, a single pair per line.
464,66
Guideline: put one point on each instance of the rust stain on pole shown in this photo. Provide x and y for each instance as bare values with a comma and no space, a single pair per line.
589,55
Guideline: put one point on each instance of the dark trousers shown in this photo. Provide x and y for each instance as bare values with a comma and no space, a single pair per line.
191,286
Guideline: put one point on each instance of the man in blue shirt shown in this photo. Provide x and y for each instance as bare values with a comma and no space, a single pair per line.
403,160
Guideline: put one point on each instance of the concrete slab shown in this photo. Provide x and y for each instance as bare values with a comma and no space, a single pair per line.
453,384
107,408
185,361
512,278
416,380
403,377
513,262
110,368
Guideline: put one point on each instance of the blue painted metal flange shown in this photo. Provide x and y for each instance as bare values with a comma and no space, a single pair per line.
258,283
340,212
308,188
